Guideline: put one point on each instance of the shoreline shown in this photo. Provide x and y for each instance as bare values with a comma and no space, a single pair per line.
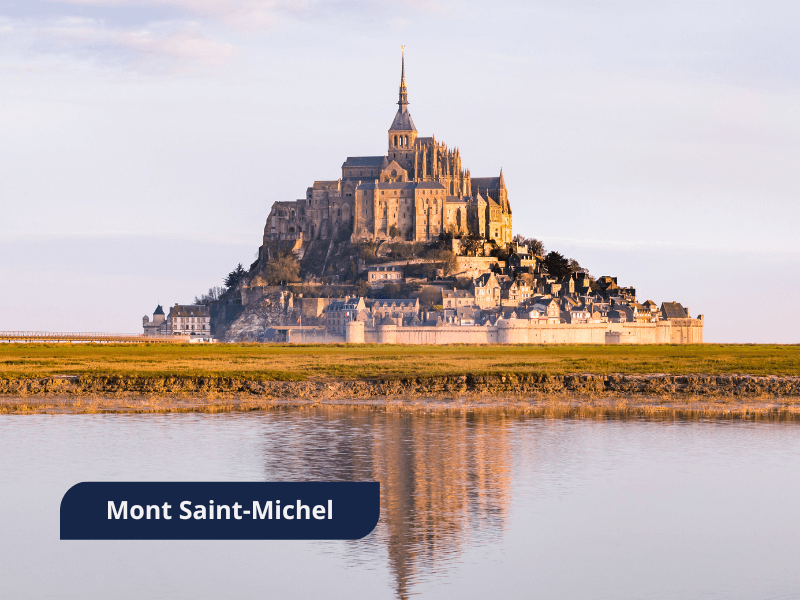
738,396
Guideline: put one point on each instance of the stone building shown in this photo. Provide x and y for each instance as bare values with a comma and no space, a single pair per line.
183,319
158,326
340,312
380,275
415,192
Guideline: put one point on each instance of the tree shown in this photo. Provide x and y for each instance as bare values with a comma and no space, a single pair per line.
282,269
472,246
394,231
212,296
535,246
362,288
574,267
445,257
352,272
390,290
557,264
429,297
235,276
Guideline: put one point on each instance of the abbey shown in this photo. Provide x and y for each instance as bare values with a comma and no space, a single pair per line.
415,192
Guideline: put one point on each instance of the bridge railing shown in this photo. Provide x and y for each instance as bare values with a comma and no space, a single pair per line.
87,335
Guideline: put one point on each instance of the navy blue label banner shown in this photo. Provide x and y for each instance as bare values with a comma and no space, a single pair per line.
220,511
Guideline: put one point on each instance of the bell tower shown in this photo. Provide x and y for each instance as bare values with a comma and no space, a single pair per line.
402,133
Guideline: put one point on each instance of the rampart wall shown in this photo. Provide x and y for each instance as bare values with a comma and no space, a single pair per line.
518,331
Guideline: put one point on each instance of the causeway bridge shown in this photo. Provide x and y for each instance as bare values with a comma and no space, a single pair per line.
83,337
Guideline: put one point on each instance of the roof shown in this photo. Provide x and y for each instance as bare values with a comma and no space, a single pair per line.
399,185
158,310
485,183
458,294
363,161
483,279
188,310
674,310
402,121
396,302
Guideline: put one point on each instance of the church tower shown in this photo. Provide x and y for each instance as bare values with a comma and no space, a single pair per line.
402,133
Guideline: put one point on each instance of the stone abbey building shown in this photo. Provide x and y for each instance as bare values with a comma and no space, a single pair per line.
414,192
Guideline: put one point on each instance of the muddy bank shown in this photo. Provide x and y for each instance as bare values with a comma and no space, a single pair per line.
706,394
488,385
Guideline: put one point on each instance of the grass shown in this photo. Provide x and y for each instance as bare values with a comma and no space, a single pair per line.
297,363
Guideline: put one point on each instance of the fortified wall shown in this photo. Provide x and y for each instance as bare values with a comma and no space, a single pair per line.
519,331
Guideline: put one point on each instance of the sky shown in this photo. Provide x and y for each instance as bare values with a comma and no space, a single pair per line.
142,142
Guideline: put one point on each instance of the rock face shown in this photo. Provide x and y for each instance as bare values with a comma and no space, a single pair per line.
273,309
488,386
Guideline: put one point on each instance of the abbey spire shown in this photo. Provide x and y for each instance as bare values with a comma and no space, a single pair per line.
402,120
403,101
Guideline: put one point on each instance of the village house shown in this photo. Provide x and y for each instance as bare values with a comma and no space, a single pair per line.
616,315
549,310
378,276
455,298
340,312
486,290
389,308
159,324
515,293
674,310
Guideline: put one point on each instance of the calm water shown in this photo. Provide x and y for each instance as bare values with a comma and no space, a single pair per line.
473,506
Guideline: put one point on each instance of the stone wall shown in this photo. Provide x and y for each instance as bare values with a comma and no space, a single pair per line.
518,331
311,307
475,266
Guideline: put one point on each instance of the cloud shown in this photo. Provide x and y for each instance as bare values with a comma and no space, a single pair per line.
168,48
256,15
169,37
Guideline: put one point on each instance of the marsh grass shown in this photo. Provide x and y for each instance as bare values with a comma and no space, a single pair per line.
299,363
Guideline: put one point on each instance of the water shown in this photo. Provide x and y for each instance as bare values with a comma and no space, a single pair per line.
480,505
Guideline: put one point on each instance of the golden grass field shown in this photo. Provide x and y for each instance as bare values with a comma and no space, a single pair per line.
298,363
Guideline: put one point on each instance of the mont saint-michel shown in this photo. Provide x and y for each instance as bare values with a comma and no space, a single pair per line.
409,247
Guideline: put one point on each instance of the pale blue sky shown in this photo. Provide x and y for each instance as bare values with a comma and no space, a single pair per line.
143,142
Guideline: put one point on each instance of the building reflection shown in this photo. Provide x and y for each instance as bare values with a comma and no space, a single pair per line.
445,478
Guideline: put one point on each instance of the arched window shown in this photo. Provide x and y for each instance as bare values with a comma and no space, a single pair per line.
406,142
395,140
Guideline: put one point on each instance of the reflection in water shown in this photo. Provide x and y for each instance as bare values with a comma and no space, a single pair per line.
445,482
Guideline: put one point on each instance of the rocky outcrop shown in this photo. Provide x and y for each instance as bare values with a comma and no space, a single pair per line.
251,325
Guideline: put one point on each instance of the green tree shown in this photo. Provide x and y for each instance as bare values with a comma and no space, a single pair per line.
429,297
362,288
445,257
535,246
282,269
235,276
352,272
557,264
472,246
